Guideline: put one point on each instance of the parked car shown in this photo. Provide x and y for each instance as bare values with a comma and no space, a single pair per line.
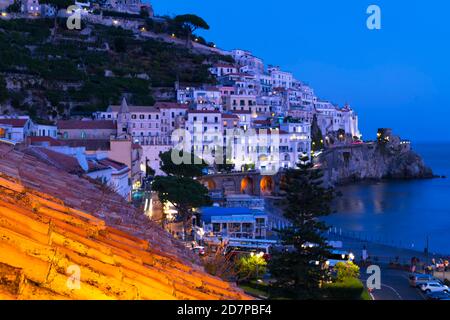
434,286
416,279
440,295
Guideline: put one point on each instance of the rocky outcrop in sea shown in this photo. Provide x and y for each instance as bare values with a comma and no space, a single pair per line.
387,158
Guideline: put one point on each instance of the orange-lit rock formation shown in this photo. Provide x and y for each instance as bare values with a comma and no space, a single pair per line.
53,224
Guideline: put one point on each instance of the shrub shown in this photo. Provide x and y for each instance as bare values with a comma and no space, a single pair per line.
346,270
250,267
348,289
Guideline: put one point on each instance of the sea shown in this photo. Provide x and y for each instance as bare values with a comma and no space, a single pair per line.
412,214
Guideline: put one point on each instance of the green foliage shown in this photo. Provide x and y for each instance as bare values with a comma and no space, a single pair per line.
316,136
14,8
185,194
3,90
255,288
251,267
346,270
299,271
120,44
25,49
347,289
191,22
180,189
191,167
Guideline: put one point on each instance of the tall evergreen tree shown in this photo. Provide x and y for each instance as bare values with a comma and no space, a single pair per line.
298,270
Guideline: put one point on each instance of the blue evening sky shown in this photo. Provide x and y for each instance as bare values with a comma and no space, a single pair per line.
396,77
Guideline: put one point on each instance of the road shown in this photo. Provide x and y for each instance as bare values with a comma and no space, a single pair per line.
394,285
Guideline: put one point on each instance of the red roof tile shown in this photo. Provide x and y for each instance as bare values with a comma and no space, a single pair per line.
112,163
51,220
15,123
62,161
40,140
86,125
170,105
205,111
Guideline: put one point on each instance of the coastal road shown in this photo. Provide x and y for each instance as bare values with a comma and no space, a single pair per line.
394,285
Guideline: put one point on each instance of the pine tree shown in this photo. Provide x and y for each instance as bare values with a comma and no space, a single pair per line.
298,270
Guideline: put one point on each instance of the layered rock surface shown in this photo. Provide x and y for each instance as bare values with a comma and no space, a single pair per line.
391,159
55,226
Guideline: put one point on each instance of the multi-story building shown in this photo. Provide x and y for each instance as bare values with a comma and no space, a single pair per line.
280,79
209,97
172,115
205,128
31,7
241,103
246,59
142,122
222,69
331,118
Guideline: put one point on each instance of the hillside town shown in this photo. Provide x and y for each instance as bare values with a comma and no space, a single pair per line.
250,101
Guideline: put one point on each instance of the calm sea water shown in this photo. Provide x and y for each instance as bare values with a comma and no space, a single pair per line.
402,213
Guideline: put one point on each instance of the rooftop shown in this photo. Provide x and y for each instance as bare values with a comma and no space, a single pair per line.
51,220
86,124
207,213
15,123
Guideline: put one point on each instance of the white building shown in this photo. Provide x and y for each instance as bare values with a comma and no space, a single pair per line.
234,223
222,69
281,79
15,129
119,177
42,130
205,128
152,149
31,7
210,97
331,118
246,58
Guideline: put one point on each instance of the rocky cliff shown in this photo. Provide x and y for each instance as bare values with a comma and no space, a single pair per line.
387,158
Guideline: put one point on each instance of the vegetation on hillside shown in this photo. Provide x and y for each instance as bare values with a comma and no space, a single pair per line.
79,72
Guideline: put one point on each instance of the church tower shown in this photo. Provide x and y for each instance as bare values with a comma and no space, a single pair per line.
123,119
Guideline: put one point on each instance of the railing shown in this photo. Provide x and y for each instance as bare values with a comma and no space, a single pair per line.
335,233
361,236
